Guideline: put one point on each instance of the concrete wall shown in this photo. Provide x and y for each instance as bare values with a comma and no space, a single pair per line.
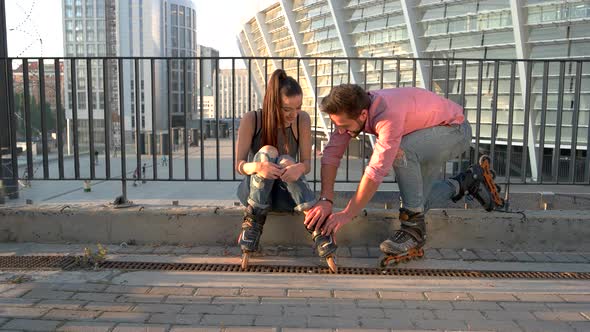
451,228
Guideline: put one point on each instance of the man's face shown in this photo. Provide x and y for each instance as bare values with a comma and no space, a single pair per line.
346,125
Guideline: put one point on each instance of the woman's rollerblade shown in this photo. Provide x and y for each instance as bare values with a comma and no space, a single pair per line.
249,238
325,247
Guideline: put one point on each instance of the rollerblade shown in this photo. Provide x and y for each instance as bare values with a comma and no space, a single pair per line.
249,238
325,248
407,242
478,181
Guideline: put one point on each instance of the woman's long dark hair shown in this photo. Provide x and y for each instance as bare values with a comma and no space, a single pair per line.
279,85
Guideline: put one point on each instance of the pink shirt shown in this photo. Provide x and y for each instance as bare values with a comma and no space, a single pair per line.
393,114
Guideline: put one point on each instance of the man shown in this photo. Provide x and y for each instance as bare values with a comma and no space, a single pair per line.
417,131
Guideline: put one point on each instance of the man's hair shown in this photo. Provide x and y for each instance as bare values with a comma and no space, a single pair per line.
349,99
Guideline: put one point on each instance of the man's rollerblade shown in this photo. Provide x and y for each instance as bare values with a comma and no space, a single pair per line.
478,181
407,242
325,248
249,238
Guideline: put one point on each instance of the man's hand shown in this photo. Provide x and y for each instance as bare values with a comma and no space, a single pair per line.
317,215
335,222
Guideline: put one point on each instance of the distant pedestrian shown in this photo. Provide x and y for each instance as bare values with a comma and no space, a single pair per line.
164,160
96,157
135,176
143,173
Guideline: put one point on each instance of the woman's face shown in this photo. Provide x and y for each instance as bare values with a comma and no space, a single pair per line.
290,108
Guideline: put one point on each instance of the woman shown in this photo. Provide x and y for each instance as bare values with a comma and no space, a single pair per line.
274,153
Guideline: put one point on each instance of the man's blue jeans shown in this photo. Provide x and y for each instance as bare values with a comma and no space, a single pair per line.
276,195
419,160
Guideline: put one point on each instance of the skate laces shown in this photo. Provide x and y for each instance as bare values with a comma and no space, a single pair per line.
401,236
251,233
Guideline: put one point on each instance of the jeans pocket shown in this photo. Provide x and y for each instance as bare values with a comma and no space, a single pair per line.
400,158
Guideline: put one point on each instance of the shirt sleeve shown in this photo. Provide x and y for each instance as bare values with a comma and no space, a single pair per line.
389,135
335,148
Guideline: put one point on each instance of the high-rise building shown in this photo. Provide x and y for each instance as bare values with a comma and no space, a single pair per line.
209,69
445,30
84,31
234,100
145,28
181,41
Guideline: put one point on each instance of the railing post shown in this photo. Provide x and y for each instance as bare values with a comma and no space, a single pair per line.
5,162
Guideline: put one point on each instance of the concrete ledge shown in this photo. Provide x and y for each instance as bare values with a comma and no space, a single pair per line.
450,228
525,199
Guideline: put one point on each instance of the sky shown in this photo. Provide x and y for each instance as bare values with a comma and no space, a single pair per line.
35,26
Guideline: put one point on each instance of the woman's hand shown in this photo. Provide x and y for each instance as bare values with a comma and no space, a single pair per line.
292,173
269,170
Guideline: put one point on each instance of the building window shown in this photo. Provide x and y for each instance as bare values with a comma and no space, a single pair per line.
174,13
194,20
174,37
69,11
81,100
89,9
181,37
90,26
188,18
181,16
101,36
100,9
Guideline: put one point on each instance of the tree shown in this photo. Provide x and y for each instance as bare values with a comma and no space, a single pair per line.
35,116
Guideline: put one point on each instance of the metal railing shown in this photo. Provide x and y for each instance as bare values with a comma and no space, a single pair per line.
530,116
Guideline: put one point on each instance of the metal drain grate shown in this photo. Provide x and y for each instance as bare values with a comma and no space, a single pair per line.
38,262
345,270
71,262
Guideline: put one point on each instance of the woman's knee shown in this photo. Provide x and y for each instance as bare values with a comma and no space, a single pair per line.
285,160
267,153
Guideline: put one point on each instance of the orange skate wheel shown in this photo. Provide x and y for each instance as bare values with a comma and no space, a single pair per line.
384,261
331,260
245,260
420,252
